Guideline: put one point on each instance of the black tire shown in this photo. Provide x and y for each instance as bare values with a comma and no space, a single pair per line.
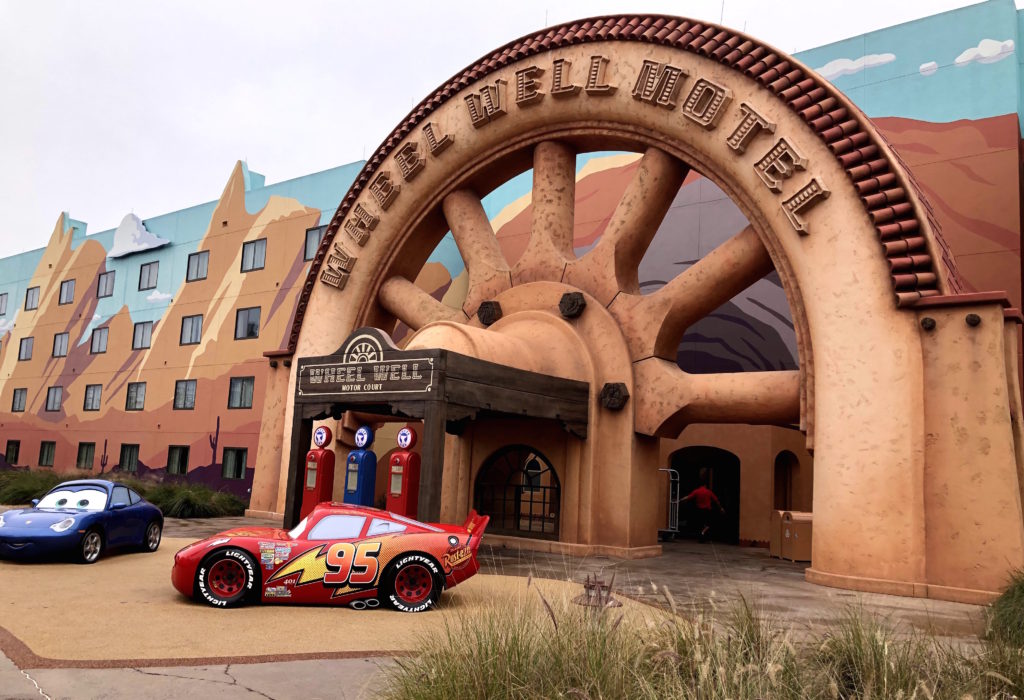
91,547
151,542
227,578
413,583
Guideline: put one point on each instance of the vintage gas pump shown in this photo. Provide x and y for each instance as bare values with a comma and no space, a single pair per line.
319,483
404,476
361,470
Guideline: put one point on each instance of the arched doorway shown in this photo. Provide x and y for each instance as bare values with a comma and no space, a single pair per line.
786,472
519,489
875,300
720,470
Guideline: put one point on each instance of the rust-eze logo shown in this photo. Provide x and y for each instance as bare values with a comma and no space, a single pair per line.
457,556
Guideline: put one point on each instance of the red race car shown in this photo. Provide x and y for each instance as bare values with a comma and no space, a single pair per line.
339,554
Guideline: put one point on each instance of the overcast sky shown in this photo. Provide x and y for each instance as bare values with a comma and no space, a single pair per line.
111,107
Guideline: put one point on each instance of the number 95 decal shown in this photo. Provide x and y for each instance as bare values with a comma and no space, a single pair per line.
353,565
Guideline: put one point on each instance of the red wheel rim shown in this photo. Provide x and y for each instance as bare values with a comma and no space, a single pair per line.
226,578
414,584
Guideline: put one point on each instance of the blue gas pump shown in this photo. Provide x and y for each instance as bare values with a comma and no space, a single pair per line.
361,470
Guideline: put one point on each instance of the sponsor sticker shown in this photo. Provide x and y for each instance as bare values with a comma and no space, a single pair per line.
277,592
267,554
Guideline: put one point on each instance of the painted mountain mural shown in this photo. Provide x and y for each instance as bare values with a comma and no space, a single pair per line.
127,393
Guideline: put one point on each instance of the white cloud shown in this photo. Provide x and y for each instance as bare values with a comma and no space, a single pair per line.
846,66
131,236
987,51
158,296
928,68
96,317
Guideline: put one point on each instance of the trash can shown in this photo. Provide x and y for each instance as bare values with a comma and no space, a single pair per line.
796,536
775,534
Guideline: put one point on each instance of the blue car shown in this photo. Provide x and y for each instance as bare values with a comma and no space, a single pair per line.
81,518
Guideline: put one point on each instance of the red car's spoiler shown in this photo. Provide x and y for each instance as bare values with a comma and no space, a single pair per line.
475,525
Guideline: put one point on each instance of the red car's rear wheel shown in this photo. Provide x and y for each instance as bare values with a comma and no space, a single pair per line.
226,578
413,583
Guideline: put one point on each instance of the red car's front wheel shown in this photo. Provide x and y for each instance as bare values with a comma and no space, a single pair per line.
226,578
413,583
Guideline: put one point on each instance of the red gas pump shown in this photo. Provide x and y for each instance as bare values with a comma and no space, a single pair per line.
319,483
404,476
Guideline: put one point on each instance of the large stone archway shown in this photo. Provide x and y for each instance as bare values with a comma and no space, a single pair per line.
910,405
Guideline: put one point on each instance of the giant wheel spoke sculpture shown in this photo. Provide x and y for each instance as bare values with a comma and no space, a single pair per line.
652,325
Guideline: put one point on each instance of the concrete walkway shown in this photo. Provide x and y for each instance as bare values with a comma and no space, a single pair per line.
345,679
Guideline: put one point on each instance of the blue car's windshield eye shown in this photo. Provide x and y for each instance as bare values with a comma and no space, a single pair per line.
62,502
83,503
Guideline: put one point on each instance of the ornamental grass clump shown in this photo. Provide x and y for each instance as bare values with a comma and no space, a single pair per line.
1006,615
534,646
541,648
861,657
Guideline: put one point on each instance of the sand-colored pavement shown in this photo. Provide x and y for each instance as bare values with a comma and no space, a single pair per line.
123,611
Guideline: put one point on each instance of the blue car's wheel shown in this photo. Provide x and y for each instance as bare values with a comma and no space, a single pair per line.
91,547
151,542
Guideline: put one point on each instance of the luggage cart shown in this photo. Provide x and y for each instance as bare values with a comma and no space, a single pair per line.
672,531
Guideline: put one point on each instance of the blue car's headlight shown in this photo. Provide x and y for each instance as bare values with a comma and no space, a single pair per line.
65,524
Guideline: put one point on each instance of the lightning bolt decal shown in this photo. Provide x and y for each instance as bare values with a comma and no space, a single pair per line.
312,566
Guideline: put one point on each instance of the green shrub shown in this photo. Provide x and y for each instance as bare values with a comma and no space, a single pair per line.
176,499
193,501
19,487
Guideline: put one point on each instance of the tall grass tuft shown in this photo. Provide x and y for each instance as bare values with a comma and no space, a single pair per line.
860,657
538,648
1006,616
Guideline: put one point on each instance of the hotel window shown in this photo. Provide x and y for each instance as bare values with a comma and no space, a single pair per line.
185,394
240,393
25,348
191,329
67,292
31,298
247,323
254,255
3,304
143,335
47,450
136,396
99,341
54,395
234,462
93,394
60,345
177,459
20,399
313,237
198,263
86,455
129,458
13,450
105,285
148,274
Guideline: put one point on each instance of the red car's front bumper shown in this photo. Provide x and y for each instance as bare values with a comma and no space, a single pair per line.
183,573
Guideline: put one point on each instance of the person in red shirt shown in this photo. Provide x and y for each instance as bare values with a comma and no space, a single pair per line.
703,498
